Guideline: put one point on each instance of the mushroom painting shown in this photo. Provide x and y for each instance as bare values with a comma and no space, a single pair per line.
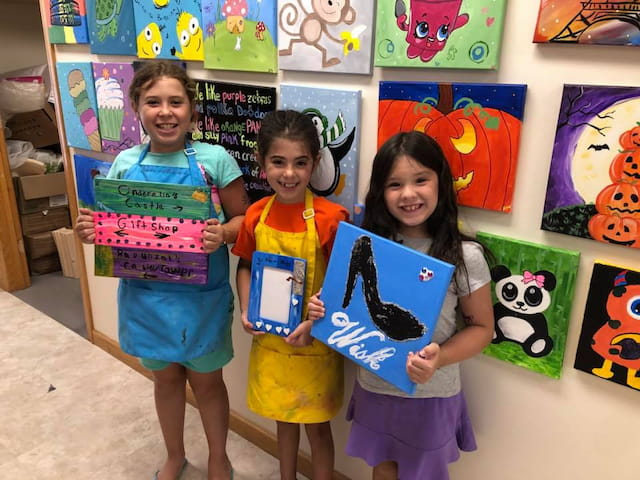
260,28
240,35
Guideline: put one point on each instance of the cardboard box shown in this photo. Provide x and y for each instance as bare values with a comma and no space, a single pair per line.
35,193
64,239
38,127
40,244
42,265
45,220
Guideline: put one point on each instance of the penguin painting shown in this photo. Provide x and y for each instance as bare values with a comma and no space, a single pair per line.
326,176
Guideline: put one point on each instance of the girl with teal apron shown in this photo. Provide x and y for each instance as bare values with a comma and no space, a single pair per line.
168,321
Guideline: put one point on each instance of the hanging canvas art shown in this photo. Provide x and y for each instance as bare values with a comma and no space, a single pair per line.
609,344
374,293
439,33
533,289
169,29
594,181
477,125
87,169
111,27
602,22
151,231
336,114
67,21
326,36
230,115
240,35
119,126
79,106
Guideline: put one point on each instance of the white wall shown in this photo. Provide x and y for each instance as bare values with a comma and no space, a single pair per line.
528,426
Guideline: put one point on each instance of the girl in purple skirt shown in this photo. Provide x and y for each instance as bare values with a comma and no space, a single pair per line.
412,200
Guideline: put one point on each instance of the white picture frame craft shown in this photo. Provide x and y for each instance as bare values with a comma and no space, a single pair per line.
382,301
276,293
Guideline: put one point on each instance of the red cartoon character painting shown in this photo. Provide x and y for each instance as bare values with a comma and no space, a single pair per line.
429,25
618,340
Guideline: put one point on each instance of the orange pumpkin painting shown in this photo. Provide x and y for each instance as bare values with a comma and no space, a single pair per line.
594,179
476,125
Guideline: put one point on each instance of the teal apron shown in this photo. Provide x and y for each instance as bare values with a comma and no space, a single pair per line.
168,321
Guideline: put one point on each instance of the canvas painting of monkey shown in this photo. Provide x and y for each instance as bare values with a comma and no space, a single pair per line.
439,33
325,35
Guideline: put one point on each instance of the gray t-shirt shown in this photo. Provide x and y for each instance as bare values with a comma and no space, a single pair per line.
446,380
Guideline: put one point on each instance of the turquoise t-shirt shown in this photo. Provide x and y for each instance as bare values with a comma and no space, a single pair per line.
220,167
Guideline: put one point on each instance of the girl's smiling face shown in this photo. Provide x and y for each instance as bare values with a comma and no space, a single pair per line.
288,166
411,195
165,112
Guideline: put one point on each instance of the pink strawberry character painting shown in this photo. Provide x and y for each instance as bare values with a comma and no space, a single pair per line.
429,25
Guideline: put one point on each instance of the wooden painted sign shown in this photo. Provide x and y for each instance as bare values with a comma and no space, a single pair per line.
140,231
153,231
158,265
149,198
374,293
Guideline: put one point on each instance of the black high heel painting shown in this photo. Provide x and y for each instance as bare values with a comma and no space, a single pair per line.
394,321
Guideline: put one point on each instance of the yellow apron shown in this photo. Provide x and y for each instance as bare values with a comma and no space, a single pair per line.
294,384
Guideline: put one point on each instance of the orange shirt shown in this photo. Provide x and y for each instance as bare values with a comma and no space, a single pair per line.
288,218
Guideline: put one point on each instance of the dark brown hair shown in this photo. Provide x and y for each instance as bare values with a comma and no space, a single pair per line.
289,124
150,72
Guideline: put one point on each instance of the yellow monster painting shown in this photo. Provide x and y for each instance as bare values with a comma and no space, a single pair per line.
149,41
190,37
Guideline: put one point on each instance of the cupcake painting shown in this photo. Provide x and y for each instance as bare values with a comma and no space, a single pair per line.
79,105
119,127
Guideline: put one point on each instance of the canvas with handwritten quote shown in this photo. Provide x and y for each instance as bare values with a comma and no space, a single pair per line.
374,293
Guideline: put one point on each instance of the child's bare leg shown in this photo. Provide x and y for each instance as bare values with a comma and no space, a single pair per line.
170,397
322,451
213,403
288,442
385,471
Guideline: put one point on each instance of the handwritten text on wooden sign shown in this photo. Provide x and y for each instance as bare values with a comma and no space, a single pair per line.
149,232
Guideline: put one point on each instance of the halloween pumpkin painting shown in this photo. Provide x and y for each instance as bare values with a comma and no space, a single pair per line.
609,345
477,126
594,180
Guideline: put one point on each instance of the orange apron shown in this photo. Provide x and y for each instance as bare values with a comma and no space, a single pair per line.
294,384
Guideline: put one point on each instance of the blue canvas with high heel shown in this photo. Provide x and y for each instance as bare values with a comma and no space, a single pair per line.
382,301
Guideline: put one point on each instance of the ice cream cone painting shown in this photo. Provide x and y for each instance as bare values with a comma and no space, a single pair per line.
119,127
169,29
79,105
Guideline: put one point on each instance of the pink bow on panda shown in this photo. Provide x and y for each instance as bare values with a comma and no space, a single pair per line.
527,277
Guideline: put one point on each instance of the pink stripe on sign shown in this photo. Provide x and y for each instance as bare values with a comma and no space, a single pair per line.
146,231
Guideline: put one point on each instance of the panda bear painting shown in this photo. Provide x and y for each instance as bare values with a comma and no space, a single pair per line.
532,291
519,312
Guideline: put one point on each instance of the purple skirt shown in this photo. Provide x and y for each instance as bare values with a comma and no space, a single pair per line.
422,435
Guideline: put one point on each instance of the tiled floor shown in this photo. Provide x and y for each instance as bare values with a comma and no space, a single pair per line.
71,411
